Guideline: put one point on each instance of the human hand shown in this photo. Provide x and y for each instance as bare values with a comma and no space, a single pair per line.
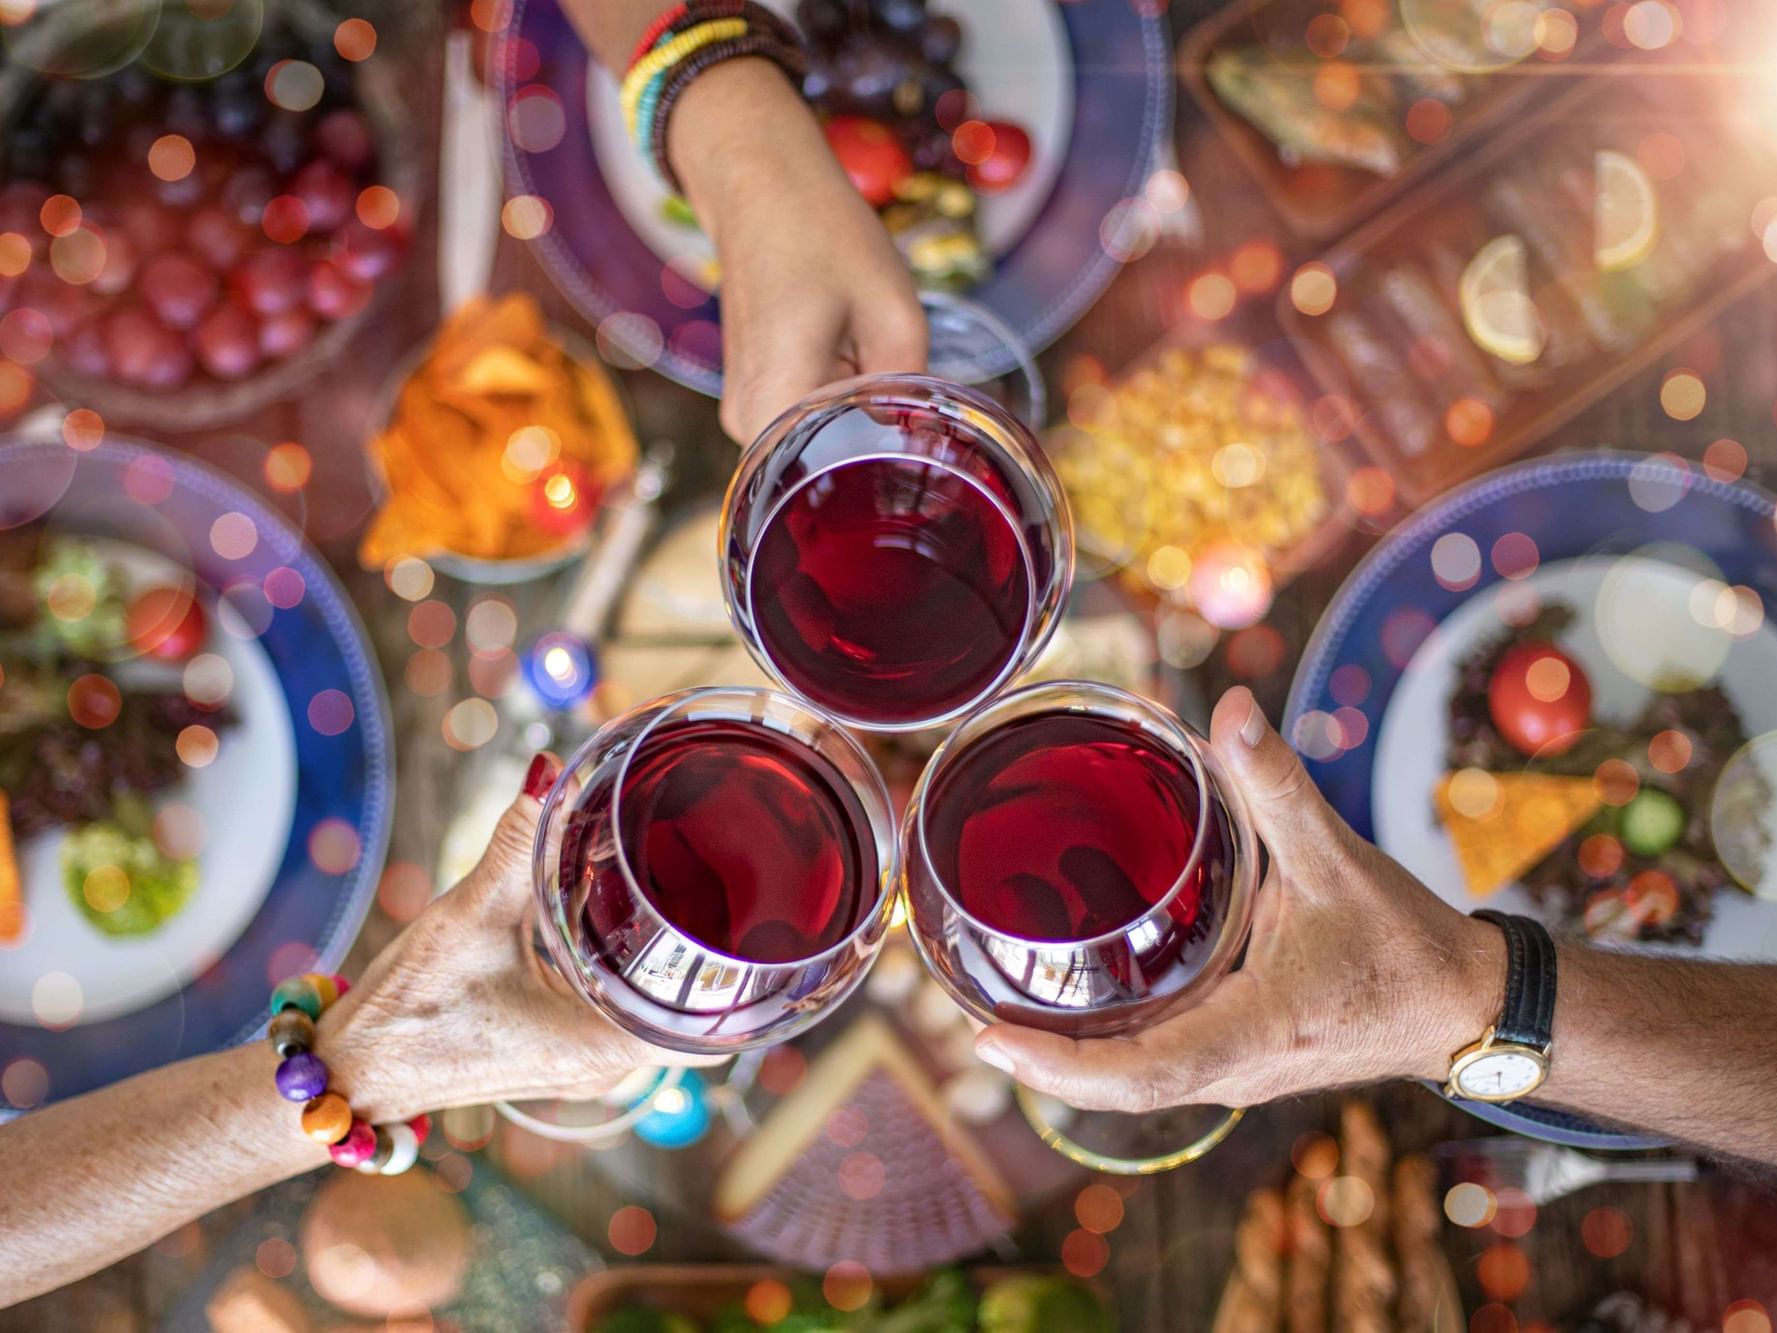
460,1011
813,289
1355,972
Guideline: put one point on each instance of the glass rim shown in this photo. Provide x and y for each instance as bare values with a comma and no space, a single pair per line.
1025,452
888,874
1029,642
1171,729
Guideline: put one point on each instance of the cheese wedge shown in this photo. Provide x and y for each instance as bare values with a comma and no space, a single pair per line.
1504,823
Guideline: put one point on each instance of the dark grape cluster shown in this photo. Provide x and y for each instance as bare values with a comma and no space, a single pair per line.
215,271
897,115
890,60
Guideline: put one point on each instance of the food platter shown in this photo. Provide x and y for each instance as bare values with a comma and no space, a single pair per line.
289,805
1367,705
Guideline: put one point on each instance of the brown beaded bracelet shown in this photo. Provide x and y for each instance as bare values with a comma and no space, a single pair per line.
791,59
760,18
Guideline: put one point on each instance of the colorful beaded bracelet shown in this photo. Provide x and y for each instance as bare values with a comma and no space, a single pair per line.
297,1003
768,35
651,135
670,52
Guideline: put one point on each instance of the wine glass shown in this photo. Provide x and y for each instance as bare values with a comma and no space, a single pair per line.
896,549
1076,861
715,869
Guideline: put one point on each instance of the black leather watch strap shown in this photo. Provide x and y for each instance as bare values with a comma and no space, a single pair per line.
1528,1015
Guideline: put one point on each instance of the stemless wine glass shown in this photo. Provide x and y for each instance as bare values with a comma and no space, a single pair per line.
895,550
1075,860
715,869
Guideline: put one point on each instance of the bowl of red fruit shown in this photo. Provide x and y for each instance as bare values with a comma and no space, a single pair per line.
198,212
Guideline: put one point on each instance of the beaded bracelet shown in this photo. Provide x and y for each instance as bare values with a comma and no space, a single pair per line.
670,52
766,33
296,1005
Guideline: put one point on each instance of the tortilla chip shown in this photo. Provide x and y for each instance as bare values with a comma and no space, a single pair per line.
1502,824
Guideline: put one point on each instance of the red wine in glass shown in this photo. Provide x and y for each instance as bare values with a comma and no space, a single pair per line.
896,550
896,588
1072,864
720,873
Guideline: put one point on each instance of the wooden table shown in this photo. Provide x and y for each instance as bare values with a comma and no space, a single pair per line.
1694,1248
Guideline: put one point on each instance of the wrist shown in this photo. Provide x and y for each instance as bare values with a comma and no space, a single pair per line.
736,131
373,1064
1467,992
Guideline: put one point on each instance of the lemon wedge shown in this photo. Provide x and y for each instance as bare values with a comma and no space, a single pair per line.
1496,307
1626,214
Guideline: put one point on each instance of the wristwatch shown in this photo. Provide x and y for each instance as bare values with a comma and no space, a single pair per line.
1512,1059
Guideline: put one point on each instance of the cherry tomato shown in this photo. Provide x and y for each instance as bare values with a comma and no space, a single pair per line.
870,154
1539,699
1006,163
166,623
1652,898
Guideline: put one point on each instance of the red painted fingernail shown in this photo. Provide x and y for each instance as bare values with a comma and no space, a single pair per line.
540,777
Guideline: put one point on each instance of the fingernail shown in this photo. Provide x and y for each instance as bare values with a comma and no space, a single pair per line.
1252,731
540,777
991,1052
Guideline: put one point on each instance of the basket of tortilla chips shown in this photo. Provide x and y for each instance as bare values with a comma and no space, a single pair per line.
503,442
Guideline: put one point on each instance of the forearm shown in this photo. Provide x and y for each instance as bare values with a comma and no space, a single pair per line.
1678,1047
88,1181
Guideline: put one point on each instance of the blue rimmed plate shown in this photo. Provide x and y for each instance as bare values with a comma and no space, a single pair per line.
1380,663
1090,79
292,813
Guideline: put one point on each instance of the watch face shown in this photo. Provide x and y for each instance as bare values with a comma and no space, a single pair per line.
1499,1075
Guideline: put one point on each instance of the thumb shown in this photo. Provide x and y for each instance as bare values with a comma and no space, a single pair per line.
1288,812
501,880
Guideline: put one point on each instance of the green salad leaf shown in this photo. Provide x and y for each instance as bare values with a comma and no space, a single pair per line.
120,880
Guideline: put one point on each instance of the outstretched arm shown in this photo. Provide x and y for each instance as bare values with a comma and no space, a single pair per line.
813,289
457,1011
1357,973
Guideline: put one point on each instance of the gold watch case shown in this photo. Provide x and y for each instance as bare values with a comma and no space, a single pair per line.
1487,1047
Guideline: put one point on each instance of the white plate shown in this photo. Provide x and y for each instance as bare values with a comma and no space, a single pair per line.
1634,597
1024,74
247,799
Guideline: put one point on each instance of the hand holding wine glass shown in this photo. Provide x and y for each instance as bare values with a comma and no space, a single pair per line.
1355,971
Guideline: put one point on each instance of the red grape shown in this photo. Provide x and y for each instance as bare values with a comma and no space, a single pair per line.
1006,163
247,193
84,351
345,137
327,192
271,281
227,342
216,238
120,264
144,351
63,305
365,253
286,333
178,289
153,227
333,294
